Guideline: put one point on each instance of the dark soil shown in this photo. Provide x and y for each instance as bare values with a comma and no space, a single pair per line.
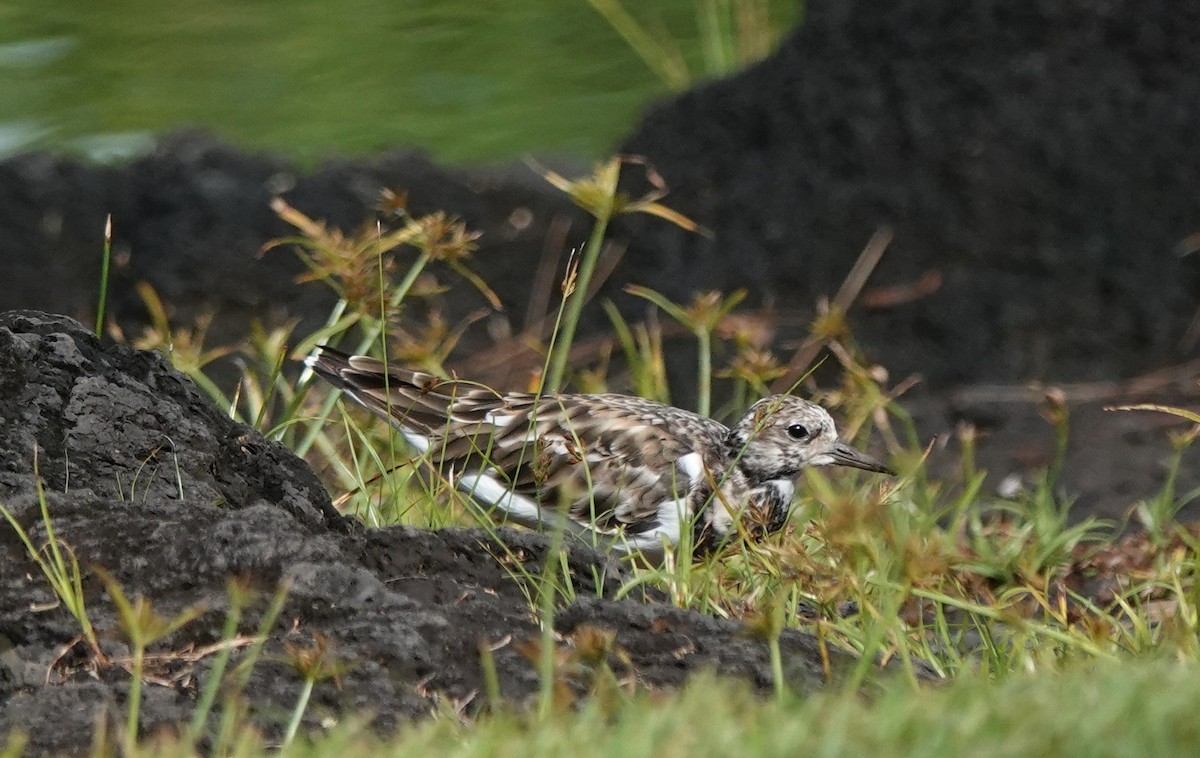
1037,161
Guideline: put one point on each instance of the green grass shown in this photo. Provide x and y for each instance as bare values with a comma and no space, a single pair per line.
58,563
1136,708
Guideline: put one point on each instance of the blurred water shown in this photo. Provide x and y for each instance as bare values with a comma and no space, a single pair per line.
468,80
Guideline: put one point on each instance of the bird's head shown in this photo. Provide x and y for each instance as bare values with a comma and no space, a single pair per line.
781,434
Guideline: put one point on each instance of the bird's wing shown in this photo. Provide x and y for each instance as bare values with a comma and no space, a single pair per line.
611,462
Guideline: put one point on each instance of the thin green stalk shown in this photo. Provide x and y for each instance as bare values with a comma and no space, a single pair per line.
210,388
263,633
61,570
140,626
546,659
701,319
587,267
704,369
272,384
246,666
298,711
555,334
102,305
547,650
64,578
213,684
741,390
135,695
398,296
491,679
776,667
293,407
387,389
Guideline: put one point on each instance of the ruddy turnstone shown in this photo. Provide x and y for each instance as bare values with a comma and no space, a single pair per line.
629,473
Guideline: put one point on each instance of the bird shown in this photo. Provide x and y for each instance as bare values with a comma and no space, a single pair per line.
629,474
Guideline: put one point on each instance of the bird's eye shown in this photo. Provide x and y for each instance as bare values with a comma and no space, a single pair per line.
797,431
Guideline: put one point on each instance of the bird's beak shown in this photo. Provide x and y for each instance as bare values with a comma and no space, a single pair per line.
844,455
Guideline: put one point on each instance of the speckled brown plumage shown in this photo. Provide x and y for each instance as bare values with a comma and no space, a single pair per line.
632,472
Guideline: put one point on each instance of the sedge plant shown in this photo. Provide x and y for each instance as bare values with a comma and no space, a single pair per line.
141,626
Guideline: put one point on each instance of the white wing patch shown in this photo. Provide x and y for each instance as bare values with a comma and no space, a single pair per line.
691,466
497,418
502,421
419,441
672,514
488,489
